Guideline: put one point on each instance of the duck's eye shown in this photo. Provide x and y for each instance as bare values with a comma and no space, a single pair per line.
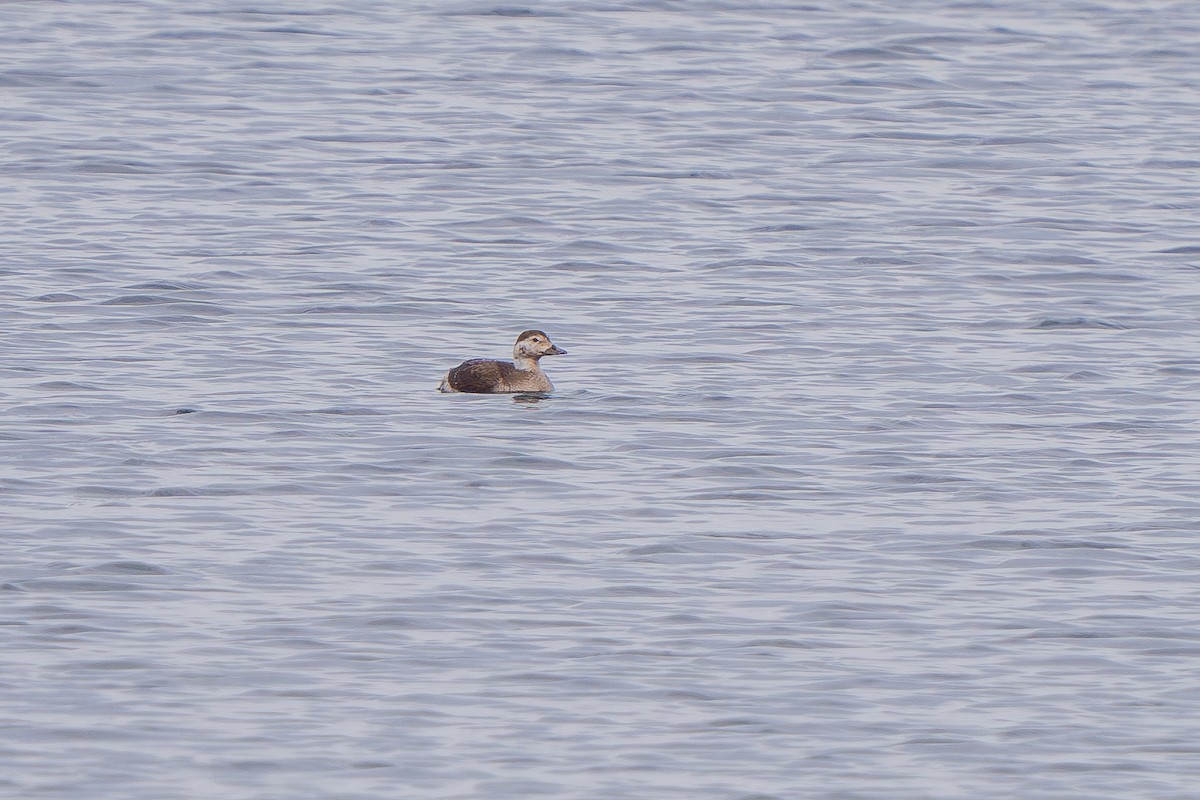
536,339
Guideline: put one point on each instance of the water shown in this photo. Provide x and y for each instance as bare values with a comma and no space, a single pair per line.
871,473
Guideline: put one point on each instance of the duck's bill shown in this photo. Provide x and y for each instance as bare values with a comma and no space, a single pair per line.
556,351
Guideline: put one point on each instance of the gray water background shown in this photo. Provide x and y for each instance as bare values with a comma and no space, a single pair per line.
872,472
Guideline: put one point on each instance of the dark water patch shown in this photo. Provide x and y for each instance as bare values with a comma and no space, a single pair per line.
502,222
112,665
166,286
920,478
543,54
493,241
974,164
351,288
517,12
420,307
632,590
71,585
679,47
131,568
1081,276
1075,323
690,174
116,167
298,31
1072,260
219,417
17,484
874,54
51,631
530,398
532,462
393,622
1171,163
194,306
608,266
1078,224
920,136
944,103
698,358
1019,540
784,228
99,734
1003,141
65,386
749,262
742,495
656,550
1067,544
785,644
380,138
193,34
101,491
891,81
57,297
350,411
1126,425
1051,368
27,78
198,491
248,253
895,261
947,222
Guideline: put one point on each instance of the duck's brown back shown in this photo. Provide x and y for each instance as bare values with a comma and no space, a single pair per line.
484,376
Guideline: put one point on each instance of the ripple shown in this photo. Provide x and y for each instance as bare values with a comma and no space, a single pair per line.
132,568
70,585
1055,323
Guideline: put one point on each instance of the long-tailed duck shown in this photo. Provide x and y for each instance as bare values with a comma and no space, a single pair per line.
522,374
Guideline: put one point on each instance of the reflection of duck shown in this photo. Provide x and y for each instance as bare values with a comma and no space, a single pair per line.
523,374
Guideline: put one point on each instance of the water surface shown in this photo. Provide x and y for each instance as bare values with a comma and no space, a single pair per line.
871,473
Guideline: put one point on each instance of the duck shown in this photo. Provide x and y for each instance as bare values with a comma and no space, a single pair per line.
522,374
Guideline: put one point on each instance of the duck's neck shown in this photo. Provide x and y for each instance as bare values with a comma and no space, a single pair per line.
525,363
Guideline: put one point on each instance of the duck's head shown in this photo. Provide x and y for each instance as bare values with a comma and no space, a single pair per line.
535,344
